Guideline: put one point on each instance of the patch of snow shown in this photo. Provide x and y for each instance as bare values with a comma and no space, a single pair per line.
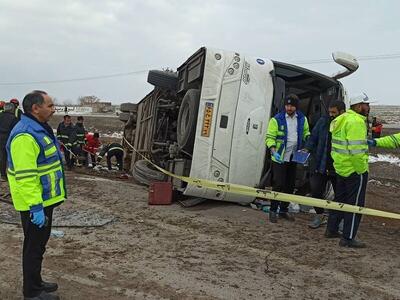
374,181
385,158
117,135
92,178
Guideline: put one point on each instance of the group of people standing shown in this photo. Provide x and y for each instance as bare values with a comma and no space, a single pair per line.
72,139
81,147
339,155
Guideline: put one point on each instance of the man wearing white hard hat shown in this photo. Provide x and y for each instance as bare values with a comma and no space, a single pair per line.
350,160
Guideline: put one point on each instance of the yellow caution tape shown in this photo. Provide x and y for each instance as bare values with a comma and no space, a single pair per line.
272,195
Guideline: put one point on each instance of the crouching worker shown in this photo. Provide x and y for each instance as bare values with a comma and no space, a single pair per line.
112,150
37,185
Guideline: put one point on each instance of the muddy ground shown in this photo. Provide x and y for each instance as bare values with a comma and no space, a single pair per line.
212,251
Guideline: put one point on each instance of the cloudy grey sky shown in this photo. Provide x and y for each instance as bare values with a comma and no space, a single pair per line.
45,40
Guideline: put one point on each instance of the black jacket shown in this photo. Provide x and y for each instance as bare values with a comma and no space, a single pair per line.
318,145
112,149
7,123
80,133
66,134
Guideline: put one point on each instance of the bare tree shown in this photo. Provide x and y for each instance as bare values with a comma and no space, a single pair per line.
88,100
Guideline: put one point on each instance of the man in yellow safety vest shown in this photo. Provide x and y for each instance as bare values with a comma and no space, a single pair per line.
37,185
350,160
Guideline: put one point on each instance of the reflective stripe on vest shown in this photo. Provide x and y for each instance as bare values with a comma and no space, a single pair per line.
395,141
115,148
349,147
62,136
350,152
345,143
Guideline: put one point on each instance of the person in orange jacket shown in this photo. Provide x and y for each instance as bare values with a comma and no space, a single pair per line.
376,128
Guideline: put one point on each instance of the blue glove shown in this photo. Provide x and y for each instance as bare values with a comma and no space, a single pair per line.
37,215
371,142
277,156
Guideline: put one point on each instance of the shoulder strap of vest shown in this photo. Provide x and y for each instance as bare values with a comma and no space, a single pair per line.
37,128
280,116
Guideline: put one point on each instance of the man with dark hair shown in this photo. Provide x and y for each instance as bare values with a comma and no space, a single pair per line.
287,131
7,122
66,134
350,159
37,185
321,164
35,97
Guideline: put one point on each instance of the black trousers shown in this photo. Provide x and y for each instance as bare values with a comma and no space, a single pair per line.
318,184
349,190
69,159
3,159
376,135
119,155
283,180
35,240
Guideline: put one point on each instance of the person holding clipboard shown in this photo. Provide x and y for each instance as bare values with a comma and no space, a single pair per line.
286,134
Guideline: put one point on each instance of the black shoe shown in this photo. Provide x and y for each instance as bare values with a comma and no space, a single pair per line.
49,287
351,243
43,296
332,234
287,216
273,217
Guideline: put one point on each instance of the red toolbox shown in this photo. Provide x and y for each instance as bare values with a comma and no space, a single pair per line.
160,193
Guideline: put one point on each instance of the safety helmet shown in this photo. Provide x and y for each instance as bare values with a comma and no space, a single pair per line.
360,98
14,101
2,103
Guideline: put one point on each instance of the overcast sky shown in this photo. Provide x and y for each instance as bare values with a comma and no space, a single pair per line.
45,40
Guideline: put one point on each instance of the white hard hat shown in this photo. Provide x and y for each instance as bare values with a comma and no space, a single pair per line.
359,98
